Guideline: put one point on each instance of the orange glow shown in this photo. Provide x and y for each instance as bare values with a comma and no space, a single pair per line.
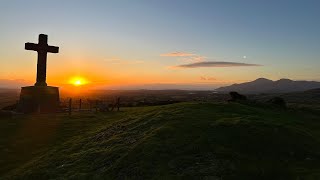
78,81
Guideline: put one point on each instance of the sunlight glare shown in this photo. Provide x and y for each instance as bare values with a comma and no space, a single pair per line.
78,81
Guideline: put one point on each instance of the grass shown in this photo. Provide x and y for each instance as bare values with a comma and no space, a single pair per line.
204,140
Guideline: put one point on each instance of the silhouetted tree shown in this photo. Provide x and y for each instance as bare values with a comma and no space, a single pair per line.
12,107
235,96
278,101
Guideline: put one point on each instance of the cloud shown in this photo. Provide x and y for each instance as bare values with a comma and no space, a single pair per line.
185,56
203,78
198,58
196,61
213,64
177,54
195,58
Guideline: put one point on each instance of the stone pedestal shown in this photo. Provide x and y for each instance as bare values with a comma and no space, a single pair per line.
42,99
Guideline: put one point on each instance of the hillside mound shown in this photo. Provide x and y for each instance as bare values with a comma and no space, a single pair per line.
205,140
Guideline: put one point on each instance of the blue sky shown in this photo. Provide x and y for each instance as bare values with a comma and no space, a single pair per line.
282,37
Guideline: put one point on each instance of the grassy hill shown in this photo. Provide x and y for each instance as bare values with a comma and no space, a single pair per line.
206,140
305,99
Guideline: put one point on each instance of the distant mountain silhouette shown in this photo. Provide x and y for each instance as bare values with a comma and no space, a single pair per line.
263,85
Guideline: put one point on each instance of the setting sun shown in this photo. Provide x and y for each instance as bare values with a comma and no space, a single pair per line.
78,81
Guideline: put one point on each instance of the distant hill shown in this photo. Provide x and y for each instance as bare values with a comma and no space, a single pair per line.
263,85
13,83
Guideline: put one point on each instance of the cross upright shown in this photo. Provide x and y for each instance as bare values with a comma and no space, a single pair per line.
42,48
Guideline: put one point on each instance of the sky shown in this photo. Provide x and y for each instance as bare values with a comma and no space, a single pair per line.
161,44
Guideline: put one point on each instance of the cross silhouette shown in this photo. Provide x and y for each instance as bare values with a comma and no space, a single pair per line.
42,48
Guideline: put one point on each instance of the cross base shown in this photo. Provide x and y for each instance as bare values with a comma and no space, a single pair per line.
39,99
40,84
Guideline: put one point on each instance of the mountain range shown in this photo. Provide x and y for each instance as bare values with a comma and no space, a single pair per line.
263,85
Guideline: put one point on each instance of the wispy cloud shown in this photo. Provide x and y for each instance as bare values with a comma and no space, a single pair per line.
178,54
185,56
214,64
203,78
195,58
197,61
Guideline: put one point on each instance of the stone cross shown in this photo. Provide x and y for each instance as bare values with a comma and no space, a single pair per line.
42,48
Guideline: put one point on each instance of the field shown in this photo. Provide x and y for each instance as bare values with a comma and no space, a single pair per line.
182,140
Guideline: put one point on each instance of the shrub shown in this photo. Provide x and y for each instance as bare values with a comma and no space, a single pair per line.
278,101
235,96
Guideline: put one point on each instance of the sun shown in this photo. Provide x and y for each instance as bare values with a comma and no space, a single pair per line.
78,81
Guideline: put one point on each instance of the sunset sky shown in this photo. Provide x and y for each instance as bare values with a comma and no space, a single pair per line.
150,43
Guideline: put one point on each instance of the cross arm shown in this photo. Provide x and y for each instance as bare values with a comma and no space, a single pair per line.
53,49
31,46
37,47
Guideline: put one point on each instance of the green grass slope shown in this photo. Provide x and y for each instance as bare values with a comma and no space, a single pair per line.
203,140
